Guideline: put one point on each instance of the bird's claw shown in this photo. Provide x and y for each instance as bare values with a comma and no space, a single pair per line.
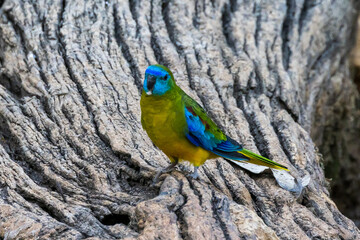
156,178
165,170
195,174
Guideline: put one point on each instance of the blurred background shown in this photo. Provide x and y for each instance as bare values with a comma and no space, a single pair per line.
343,175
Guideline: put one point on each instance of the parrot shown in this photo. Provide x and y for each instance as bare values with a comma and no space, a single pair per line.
182,129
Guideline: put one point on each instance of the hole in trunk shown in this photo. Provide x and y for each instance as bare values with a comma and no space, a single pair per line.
113,219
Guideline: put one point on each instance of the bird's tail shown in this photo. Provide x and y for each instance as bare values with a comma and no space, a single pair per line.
260,160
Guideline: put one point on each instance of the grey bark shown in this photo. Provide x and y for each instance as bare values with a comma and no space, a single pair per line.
75,162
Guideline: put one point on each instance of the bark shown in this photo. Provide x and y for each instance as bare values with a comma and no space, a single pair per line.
75,162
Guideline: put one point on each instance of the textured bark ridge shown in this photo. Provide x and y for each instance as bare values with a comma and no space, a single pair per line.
75,162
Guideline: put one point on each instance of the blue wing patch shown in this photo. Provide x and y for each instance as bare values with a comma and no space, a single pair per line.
228,146
200,137
197,134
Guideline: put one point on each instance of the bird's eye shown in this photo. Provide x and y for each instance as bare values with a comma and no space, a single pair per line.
164,77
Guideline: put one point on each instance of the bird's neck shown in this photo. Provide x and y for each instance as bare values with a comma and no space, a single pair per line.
163,102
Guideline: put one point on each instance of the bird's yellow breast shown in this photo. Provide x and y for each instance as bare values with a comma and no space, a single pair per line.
165,123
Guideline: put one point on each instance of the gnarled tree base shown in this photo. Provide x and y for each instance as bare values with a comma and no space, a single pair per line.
75,162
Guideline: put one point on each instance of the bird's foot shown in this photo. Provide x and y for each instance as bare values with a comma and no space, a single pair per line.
156,178
195,174
165,170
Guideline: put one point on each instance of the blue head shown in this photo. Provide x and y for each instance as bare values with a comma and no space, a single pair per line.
158,80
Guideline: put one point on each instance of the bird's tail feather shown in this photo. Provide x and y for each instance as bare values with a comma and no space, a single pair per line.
260,160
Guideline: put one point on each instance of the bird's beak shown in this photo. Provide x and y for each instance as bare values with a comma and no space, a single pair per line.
151,80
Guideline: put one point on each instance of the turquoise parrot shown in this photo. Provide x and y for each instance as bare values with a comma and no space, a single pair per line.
180,127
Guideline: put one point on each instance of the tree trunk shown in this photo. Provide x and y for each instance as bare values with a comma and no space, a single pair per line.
76,163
